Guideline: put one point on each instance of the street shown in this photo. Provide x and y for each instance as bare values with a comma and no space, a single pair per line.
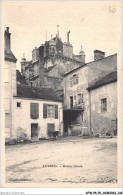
70,159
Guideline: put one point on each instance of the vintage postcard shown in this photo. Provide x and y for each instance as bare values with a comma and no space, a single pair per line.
61,94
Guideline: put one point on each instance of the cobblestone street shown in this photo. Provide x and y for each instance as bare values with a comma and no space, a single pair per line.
70,159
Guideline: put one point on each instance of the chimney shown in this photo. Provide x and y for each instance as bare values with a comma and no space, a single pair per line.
7,39
68,37
99,55
58,30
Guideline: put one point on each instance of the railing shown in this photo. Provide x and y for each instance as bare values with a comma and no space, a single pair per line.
74,105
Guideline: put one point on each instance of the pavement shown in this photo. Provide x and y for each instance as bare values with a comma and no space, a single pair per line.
69,160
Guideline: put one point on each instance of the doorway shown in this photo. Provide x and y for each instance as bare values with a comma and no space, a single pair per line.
50,128
34,131
71,102
114,127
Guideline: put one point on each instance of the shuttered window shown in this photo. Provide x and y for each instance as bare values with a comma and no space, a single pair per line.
34,110
50,111
56,111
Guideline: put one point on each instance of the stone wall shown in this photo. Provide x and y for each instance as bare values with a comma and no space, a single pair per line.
102,67
10,90
101,122
68,50
80,87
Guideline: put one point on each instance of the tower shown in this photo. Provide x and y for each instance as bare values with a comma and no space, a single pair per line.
23,63
52,47
67,47
82,56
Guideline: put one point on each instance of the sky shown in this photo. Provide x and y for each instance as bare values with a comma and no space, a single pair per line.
93,25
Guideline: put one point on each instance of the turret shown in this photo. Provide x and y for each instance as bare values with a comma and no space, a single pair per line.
23,63
67,47
81,56
52,46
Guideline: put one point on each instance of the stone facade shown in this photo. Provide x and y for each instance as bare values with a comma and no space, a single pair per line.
76,94
52,59
103,122
10,83
24,123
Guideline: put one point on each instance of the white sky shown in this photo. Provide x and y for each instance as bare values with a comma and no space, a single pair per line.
94,25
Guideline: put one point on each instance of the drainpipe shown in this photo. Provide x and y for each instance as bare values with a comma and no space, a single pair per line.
59,119
31,87
90,107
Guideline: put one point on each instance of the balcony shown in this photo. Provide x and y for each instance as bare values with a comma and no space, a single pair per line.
74,106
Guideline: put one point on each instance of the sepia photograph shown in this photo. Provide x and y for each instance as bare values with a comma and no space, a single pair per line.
61,94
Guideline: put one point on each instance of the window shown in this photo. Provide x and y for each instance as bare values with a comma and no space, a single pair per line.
103,104
18,104
80,98
74,79
50,111
34,110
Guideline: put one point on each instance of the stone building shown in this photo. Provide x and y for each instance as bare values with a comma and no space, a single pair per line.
30,112
9,83
76,94
103,105
50,61
37,113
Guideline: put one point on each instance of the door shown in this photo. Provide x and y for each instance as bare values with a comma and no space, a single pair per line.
71,102
34,131
50,128
114,126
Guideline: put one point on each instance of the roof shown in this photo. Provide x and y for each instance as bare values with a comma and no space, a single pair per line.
49,68
74,70
110,78
9,56
21,79
24,91
32,78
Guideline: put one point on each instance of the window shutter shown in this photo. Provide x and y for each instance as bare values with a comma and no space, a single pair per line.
34,108
37,110
56,111
44,110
